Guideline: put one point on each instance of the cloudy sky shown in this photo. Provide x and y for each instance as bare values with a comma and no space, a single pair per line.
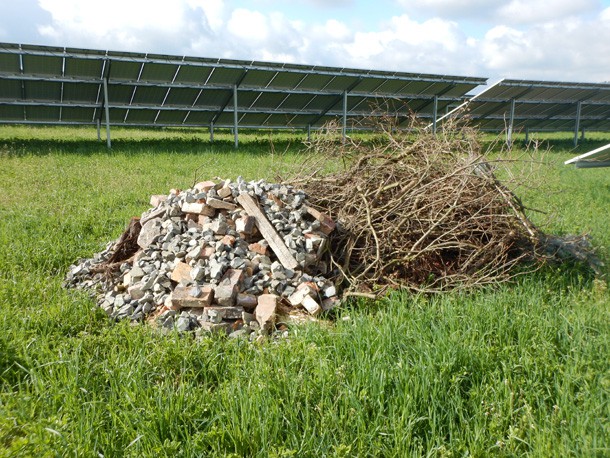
565,40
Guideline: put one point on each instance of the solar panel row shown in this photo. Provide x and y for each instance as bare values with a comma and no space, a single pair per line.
40,84
53,85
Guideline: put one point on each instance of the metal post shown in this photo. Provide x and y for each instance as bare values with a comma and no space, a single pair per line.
435,114
344,127
99,134
107,113
511,121
577,124
235,116
582,135
308,132
527,135
212,132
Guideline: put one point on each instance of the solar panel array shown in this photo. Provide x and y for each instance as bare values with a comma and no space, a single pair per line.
55,85
40,84
543,105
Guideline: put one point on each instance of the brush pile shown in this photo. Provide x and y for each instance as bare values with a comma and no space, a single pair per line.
421,212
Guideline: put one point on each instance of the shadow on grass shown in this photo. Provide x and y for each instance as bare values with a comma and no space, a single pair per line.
79,147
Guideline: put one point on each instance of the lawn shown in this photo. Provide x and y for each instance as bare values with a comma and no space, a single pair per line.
521,369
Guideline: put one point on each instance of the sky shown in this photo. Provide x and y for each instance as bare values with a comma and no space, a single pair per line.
557,40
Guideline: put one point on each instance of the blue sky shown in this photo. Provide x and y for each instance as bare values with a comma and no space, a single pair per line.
565,40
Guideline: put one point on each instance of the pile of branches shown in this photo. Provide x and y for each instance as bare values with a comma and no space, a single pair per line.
419,211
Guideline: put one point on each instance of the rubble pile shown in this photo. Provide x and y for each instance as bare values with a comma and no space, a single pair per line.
222,256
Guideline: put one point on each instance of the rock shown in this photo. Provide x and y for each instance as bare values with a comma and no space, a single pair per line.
265,312
149,232
197,273
330,303
245,225
247,301
227,313
227,289
183,324
137,291
215,315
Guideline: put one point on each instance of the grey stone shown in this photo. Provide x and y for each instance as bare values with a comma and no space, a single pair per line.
149,232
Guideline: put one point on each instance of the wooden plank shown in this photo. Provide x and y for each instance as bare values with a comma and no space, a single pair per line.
268,231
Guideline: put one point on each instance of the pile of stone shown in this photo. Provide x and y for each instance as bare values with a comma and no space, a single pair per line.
222,256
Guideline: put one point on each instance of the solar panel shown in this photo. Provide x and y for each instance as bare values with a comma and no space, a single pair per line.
599,157
529,105
53,85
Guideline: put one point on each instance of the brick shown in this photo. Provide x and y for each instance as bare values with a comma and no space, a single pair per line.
327,225
228,240
204,186
311,305
265,312
157,199
198,209
225,191
227,289
181,273
181,297
259,247
220,204
296,298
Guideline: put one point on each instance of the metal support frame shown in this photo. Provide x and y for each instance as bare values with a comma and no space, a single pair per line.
582,135
107,113
434,114
527,135
511,122
344,123
308,132
577,123
99,133
235,117
212,132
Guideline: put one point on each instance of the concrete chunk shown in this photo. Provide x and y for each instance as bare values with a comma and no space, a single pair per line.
265,312
149,232
227,289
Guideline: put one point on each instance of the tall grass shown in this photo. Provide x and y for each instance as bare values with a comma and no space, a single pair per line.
518,370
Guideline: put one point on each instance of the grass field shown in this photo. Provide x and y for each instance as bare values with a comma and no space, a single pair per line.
518,370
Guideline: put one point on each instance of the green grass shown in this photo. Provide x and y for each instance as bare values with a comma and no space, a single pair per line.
518,370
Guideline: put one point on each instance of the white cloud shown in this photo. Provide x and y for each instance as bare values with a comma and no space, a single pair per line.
503,12
572,49
249,25
517,38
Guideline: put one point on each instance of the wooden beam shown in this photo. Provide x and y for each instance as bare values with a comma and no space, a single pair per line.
268,231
